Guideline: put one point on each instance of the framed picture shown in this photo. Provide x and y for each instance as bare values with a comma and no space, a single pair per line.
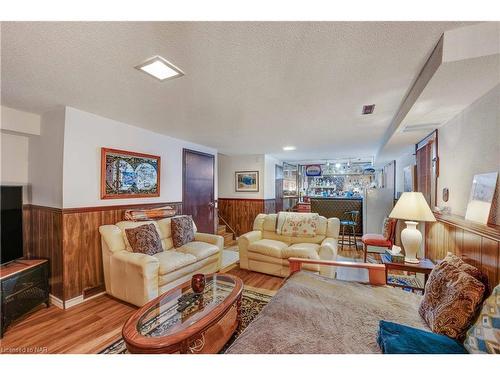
126,174
246,181
481,197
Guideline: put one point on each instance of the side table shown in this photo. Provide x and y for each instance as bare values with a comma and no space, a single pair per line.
425,266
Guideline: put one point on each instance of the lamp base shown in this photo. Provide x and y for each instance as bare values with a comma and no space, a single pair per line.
411,239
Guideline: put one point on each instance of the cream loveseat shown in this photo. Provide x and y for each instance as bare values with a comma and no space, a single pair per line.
265,250
137,278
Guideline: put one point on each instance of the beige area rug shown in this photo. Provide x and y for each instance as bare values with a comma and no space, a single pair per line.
253,301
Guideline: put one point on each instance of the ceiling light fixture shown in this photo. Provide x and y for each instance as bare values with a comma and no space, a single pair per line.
160,68
289,148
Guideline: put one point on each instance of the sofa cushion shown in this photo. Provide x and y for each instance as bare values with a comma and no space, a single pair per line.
182,230
375,240
297,224
134,224
394,338
469,269
172,260
198,249
301,250
144,239
450,300
268,247
484,336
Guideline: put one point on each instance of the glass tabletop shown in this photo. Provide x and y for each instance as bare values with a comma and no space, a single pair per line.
164,318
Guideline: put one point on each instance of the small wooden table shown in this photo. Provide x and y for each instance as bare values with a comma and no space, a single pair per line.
204,327
425,266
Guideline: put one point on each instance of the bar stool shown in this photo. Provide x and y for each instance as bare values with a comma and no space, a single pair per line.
350,224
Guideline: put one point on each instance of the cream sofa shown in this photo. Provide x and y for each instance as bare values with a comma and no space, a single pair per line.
264,250
137,278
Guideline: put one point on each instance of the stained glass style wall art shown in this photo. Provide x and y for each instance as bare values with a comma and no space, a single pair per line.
126,174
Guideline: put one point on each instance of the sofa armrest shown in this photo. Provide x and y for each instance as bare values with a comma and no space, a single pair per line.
244,242
213,239
328,251
376,272
333,227
112,235
134,277
250,237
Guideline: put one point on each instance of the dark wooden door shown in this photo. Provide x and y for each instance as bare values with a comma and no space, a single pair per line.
198,189
424,170
279,188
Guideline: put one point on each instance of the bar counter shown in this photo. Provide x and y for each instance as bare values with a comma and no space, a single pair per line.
335,207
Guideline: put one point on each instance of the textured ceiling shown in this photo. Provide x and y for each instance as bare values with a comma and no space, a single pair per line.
250,87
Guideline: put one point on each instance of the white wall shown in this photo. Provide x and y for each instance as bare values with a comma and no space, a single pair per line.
19,121
14,156
402,162
86,133
16,128
228,165
270,176
469,144
45,167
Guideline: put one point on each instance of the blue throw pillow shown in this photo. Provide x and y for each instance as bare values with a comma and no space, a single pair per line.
395,338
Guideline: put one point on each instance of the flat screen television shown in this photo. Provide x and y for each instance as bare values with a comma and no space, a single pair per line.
11,199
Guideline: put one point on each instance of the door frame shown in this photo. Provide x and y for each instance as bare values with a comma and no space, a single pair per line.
184,152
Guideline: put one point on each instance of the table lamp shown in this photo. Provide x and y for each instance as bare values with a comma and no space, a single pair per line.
412,207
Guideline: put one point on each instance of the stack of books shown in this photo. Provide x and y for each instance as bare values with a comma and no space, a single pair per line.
395,257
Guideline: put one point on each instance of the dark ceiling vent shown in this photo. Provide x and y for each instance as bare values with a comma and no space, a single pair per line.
368,109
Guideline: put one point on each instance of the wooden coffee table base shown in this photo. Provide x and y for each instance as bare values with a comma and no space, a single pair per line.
206,336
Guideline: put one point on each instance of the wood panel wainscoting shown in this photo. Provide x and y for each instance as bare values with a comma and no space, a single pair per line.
240,213
70,239
477,244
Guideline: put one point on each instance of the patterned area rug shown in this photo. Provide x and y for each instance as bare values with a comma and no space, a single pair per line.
253,301
406,280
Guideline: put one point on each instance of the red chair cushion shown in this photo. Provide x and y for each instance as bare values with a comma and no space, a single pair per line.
376,240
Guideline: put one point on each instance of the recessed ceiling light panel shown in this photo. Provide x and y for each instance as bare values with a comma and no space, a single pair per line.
288,148
160,68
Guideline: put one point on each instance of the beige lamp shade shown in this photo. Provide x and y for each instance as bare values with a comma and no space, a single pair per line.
412,206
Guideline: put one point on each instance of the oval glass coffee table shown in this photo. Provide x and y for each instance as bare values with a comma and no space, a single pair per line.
203,327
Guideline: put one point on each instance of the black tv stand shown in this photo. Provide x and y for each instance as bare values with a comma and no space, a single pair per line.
24,286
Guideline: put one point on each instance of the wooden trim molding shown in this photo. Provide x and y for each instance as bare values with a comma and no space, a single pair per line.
478,245
77,210
490,231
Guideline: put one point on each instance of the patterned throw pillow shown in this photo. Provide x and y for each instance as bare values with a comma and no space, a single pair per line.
450,300
484,336
387,228
467,268
144,239
182,230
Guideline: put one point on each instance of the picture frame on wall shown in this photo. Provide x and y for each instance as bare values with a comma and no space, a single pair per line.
127,174
482,198
246,181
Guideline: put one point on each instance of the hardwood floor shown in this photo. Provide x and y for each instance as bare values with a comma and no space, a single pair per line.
92,325
96,323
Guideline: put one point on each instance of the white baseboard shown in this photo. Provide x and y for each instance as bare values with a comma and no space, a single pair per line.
53,300
71,302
